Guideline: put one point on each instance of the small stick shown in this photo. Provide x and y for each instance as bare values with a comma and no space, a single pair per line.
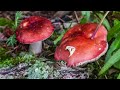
61,20
92,37
12,50
76,16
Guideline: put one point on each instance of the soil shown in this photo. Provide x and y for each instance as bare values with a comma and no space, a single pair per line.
11,14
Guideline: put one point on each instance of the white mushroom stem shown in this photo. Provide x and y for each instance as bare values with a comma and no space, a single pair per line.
71,49
36,47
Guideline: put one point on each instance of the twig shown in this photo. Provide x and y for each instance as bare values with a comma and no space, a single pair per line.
92,37
76,16
100,68
61,13
11,50
61,20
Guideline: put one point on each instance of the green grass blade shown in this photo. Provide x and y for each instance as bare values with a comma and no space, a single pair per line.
86,14
114,30
117,65
114,46
118,76
83,20
59,38
86,17
116,21
113,59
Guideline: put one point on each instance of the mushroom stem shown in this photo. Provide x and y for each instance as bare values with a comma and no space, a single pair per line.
36,47
93,35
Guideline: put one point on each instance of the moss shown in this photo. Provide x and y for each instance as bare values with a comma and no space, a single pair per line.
18,59
3,54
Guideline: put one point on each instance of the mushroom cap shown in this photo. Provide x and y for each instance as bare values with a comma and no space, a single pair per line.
33,29
85,49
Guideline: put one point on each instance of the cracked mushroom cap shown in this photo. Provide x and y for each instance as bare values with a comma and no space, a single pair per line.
77,47
34,29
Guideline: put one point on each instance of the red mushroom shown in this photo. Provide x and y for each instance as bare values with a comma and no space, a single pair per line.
77,47
33,31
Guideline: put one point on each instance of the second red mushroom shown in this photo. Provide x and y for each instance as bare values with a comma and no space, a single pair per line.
77,47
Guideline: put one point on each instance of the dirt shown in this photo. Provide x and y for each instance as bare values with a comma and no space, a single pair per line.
11,14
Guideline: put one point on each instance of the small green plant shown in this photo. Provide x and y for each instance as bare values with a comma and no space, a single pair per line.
11,41
5,22
18,16
113,55
113,59
86,17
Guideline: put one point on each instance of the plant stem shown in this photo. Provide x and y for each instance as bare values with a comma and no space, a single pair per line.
93,35
100,68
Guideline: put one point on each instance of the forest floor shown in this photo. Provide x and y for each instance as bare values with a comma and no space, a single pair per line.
50,69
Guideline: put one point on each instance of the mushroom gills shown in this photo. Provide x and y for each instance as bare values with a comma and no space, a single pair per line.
71,49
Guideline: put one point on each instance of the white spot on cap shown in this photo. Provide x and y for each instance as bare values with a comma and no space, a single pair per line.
71,49
99,48
25,24
79,29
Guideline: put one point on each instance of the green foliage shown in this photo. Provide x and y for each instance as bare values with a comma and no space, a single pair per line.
114,46
118,76
2,53
114,30
39,70
117,65
86,17
18,16
5,22
116,14
90,17
113,59
11,41
59,38
10,23
23,57
116,21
